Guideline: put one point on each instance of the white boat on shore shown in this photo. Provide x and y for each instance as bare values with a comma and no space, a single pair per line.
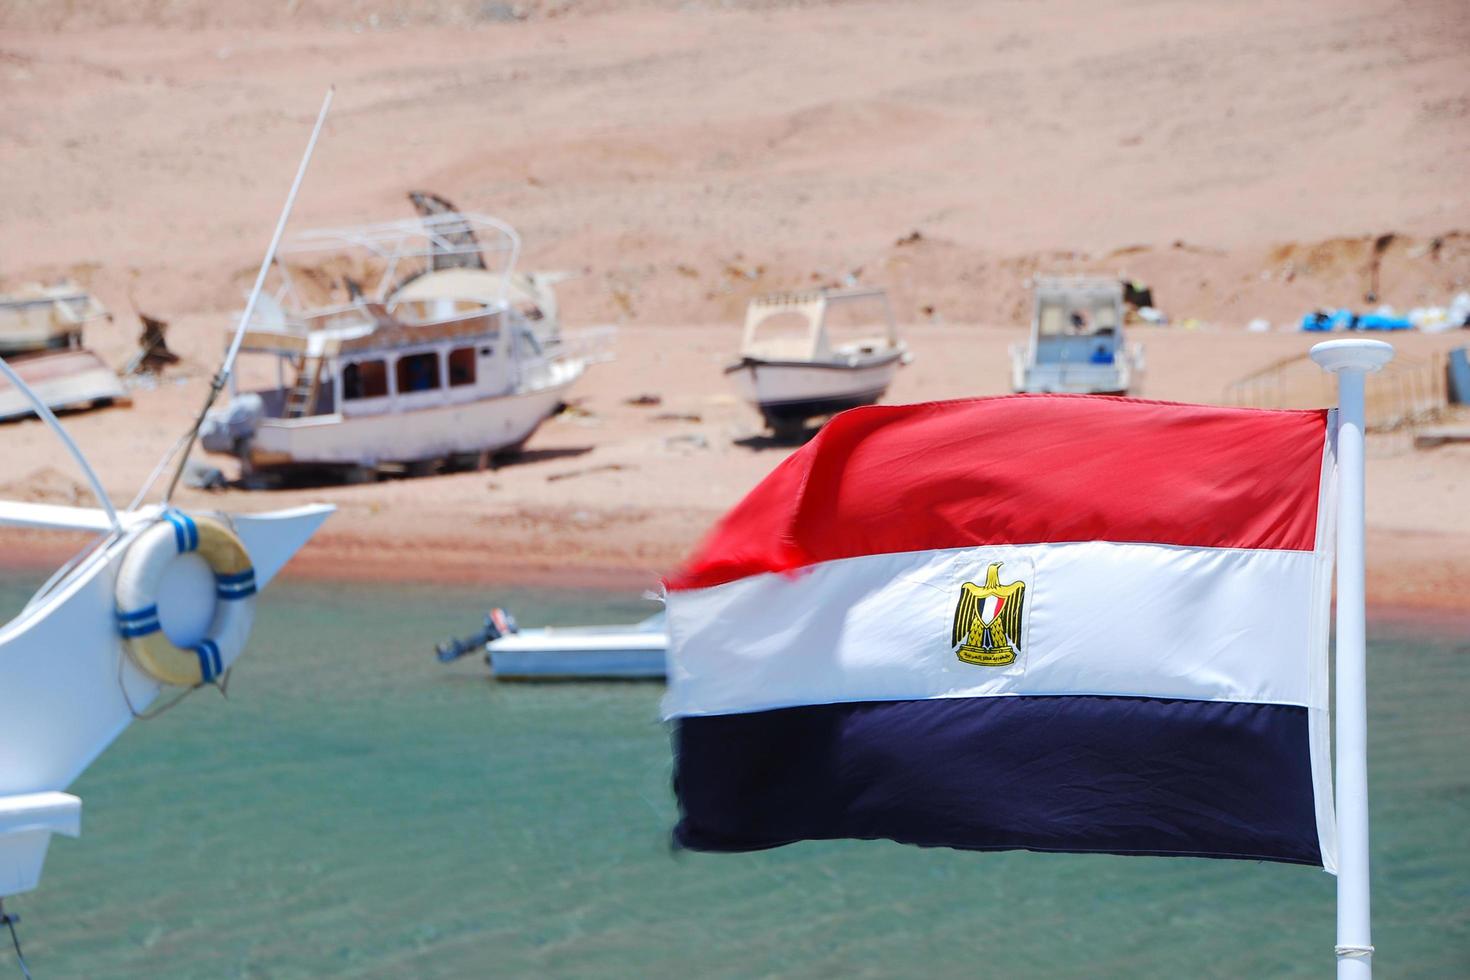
797,364
632,651
1077,342
432,362
37,318
41,337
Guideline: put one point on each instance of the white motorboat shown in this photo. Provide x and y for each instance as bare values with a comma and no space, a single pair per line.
161,599
432,357
797,363
633,651
1077,342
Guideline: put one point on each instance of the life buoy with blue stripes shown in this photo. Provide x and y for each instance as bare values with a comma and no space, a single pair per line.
138,580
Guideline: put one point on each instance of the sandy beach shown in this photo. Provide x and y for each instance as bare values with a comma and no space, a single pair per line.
683,158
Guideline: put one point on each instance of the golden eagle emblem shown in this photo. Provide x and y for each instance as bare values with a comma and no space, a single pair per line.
987,621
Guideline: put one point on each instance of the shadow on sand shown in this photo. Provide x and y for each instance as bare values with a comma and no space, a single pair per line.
778,440
307,477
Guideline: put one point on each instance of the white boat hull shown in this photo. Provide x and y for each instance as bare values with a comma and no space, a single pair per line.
1118,377
582,653
487,425
68,687
793,391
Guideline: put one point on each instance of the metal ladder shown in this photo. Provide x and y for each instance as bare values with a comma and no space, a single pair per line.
302,397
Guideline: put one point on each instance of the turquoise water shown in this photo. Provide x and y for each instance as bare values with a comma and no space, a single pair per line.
356,809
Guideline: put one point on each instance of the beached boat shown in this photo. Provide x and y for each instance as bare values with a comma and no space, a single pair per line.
36,318
41,336
798,362
633,651
1077,342
425,356
66,380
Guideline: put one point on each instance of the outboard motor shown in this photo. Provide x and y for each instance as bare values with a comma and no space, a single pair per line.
224,429
498,623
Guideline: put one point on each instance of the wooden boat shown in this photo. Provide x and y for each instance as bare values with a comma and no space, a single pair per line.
796,365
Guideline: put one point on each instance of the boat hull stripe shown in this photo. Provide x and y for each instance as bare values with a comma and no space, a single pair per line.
147,612
233,592
209,660
140,629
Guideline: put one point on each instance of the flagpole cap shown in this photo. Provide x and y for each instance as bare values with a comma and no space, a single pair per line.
1352,355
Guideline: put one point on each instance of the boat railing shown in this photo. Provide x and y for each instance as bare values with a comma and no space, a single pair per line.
397,252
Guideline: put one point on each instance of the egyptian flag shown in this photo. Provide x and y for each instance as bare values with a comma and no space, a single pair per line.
1057,623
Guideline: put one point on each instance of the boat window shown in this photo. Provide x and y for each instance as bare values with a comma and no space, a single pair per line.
461,366
1054,320
1104,318
1080,317
418,372
364,379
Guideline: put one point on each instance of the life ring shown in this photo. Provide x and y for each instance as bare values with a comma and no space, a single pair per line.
138,580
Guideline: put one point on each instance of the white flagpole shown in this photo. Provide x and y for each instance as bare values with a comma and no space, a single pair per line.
1351,361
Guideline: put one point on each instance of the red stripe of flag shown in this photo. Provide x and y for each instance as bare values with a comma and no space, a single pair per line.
1024,470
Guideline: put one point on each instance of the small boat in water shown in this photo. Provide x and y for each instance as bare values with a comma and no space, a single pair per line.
798,362
1077,342
633,651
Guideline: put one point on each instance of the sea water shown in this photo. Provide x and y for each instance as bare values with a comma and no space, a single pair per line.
356,809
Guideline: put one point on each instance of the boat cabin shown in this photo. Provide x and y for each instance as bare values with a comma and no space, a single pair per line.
37,318
391,358
801,326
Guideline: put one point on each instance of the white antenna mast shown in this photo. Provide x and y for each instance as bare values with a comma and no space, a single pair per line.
270,256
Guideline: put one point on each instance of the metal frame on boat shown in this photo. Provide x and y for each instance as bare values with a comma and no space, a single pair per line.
791,376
